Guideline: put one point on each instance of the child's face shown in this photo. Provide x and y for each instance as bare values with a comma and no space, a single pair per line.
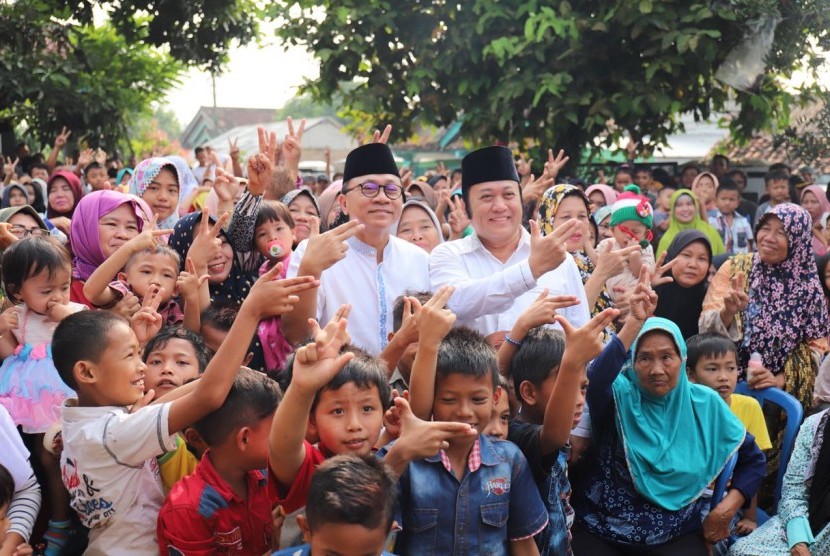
704,189
162,194
779,191
117,228
348,420
345,539
727,201
119,372
500,416
303,212
718,372
545,392
462,398
623,239
621,179
170,365
41,292
273,230
664,199
684,209
152,269
97,179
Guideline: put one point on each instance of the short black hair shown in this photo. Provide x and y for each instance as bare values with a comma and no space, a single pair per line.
6,486
252,397
708,344
220,315
91,166
538,357
273,211
721,157
780,166
160,340
397,308
727,185
642,168
364,371
29,257
159,249
39,166
198,150
776,175
466,351
352,490
82,336
737,172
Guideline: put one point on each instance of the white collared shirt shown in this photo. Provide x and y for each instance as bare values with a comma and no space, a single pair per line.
490,295
371,288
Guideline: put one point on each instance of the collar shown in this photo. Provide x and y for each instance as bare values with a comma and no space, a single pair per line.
366,249
482,453
207,472
472,243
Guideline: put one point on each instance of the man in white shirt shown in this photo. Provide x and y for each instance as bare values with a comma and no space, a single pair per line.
360,263
500,269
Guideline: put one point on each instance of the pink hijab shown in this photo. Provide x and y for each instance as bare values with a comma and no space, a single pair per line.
607,191
818,193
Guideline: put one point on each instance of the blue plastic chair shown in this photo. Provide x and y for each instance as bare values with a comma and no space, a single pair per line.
795,414
719,490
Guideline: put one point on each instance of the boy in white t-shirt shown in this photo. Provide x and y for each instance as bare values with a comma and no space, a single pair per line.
109,450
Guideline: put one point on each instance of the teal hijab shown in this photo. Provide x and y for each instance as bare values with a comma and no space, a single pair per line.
677,444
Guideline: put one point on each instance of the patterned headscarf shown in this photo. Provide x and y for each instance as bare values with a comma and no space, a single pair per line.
77,192
238,283
86,245
187,181
786,302
142,177
289,198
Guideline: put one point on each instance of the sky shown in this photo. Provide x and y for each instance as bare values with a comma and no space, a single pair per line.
256,77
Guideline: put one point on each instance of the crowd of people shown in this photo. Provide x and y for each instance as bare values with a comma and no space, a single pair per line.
234,358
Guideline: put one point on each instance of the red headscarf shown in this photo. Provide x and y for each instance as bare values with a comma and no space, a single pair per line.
77,192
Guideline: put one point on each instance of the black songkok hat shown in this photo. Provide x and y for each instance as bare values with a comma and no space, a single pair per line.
373,158
488,164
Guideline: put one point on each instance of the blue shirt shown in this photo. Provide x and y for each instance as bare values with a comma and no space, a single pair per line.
305,550
491,505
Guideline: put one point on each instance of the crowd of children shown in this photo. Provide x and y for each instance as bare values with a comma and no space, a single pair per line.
474,363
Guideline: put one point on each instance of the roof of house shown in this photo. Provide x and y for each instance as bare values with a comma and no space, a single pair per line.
210,122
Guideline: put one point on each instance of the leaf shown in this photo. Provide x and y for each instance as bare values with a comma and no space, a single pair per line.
646,6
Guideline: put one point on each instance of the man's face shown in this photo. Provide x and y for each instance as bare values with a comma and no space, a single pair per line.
496,209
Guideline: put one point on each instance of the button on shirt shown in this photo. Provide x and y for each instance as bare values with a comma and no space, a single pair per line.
370,287
490,295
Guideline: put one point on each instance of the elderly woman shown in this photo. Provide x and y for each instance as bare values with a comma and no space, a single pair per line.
419,225
305,210
681,300
659,441
771,302
800,528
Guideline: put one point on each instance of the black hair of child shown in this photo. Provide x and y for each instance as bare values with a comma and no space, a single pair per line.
364,371
90,167
708,344
6,486
727,184
351,490
252,397
220,315
775,175
539,356
82,336
465,351
159,249
29,257
397,308
273,211
177,331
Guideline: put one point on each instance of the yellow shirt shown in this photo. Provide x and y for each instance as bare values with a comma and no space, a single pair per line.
748,410
177,464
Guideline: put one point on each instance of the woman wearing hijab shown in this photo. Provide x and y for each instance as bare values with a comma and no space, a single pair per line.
63,193
187,181
800,527
601,195
122,179
705,186
103,221
15,195
659,441
305,210
419,225
424,191
681,301
685,215
559,204
23,222
156,180
816,204
36,189
771,302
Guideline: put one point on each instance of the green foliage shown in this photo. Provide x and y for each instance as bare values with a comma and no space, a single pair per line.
563,75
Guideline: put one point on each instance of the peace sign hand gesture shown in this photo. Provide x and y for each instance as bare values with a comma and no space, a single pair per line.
147,322
60,140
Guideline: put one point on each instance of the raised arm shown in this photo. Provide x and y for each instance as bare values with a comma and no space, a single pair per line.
268,297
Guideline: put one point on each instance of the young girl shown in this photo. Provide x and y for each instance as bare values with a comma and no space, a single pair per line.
156,180
36,276
273,238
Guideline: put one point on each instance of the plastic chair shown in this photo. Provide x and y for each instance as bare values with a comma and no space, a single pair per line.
795,414
719,490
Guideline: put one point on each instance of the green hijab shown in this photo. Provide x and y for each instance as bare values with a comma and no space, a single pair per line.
697,223
676,444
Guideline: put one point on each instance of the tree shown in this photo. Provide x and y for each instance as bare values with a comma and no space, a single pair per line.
567,75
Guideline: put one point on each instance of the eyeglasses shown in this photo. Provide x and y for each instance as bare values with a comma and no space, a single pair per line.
371,190
21,232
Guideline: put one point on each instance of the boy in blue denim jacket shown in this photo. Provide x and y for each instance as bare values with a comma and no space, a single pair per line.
548,369
476,496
